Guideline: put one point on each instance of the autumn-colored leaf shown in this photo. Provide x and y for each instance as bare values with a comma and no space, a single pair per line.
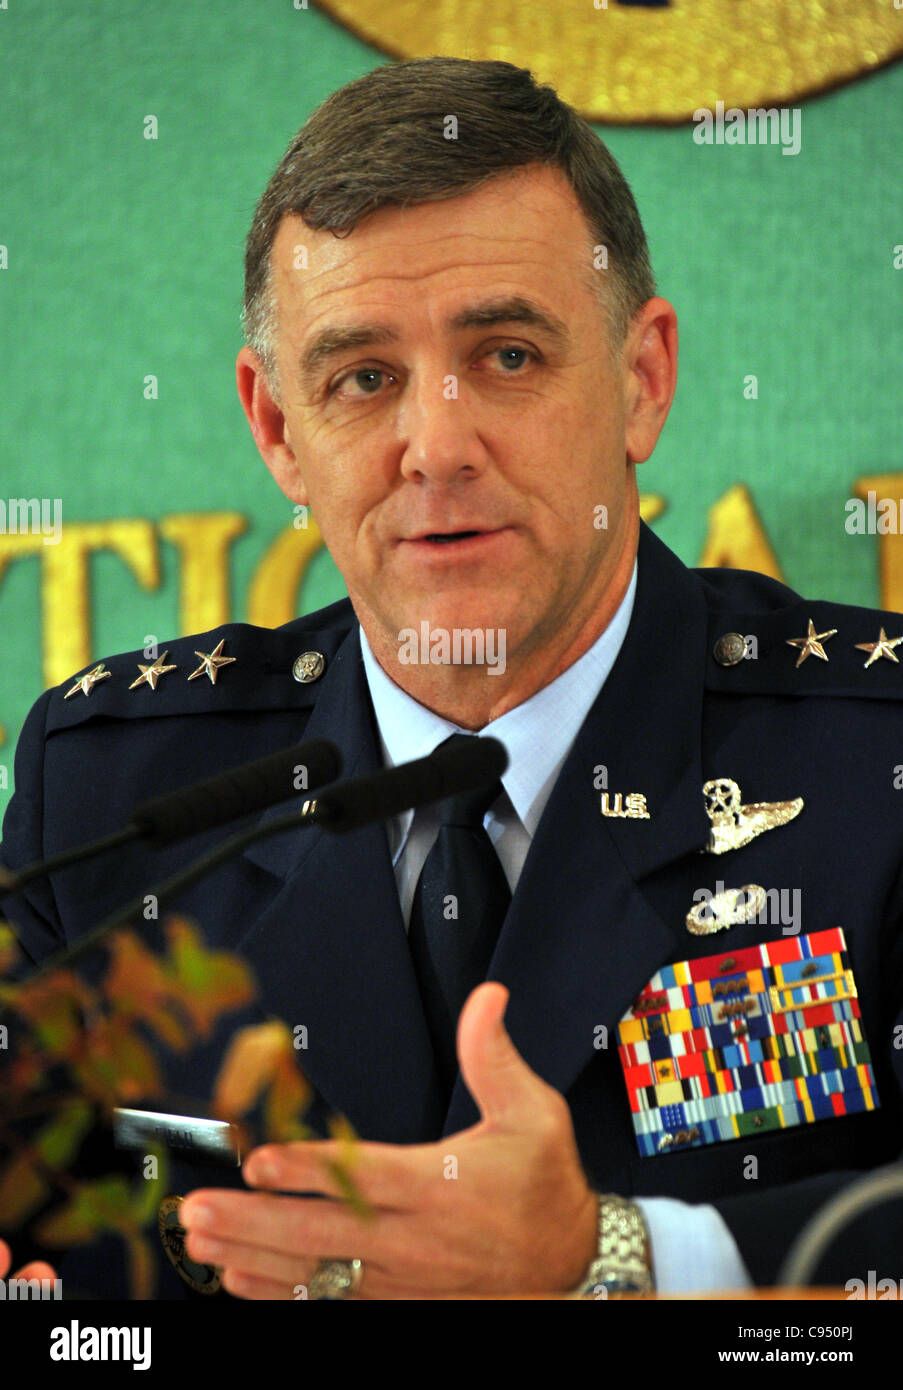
207,983
22,1190
248,1067
142,1268
58,1142
346,1136
287,1100
137,986
121,1060
349,1190
23,1185
8,948
100,1041
54,1005
341,1168
23,1074
95,1208
150,1191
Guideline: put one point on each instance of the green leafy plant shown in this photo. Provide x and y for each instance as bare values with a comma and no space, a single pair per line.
81,1050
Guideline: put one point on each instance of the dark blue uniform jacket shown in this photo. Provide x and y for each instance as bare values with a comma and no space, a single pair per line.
601,902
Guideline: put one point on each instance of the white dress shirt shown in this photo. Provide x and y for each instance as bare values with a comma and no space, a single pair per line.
691,1245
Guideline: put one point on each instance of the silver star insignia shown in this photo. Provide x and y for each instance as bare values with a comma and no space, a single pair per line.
86,684
811,644
211,662
150,675
883,647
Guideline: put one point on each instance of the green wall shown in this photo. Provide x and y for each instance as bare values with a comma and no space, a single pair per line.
125,259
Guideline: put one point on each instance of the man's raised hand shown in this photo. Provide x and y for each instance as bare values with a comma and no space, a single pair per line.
502,1207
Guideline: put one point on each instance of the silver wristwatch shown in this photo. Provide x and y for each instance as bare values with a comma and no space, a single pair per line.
623,1263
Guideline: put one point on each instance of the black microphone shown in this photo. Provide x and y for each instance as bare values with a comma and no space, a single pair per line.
203,805
463,763
234,793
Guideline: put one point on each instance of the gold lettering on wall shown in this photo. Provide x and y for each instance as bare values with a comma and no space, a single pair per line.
736,538
203,540
890,545
652,504
273,591
66,583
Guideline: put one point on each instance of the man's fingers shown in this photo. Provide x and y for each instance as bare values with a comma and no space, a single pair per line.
388,1177
246,1286
296,1226
281,1282
249,1261
281,1241
37,1269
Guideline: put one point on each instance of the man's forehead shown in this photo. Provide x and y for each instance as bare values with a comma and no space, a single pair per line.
525,216
521,238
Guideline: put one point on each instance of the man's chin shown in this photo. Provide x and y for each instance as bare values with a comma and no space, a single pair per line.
446,616
446,632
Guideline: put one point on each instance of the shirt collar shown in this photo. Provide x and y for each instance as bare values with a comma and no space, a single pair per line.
537,733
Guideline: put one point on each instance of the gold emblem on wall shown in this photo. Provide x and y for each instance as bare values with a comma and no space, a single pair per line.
638,62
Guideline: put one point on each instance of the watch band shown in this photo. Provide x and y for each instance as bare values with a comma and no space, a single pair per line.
623,1262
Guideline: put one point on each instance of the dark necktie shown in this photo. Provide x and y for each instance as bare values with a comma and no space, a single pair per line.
459,905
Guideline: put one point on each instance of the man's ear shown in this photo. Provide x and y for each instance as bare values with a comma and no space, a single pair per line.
650,365
268,425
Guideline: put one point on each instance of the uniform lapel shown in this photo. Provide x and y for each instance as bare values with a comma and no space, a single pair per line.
581,939
330,952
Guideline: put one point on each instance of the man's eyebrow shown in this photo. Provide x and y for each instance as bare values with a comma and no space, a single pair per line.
511,309
332,341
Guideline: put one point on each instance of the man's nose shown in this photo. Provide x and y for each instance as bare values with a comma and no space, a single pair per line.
439,430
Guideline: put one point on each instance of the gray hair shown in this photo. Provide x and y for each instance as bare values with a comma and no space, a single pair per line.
380,141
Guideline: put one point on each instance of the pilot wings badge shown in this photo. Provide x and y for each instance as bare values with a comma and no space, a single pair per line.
733,824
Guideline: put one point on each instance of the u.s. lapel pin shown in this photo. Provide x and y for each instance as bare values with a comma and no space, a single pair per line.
631,807
733,824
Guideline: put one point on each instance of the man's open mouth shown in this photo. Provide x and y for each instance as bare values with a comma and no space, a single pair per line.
443,537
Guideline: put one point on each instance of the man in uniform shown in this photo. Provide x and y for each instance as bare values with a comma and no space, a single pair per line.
687,889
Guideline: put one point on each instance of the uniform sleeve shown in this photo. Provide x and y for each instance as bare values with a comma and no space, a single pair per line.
32,913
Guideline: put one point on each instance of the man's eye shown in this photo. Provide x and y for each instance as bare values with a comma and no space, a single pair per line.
366,380
511,358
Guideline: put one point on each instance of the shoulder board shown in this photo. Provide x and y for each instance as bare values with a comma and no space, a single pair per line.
806,648
234,667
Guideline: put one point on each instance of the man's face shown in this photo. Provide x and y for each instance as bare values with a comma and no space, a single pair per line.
477,397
